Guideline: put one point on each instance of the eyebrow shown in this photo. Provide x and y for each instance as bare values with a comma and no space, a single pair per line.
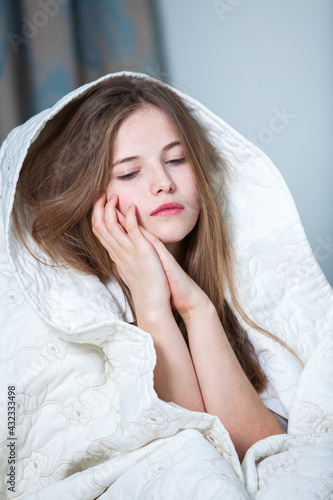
131,158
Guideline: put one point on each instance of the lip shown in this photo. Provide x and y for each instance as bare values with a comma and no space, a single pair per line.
168,209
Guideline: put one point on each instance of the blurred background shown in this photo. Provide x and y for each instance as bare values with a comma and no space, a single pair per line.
264,66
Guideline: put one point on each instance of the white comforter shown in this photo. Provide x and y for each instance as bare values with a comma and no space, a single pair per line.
88,421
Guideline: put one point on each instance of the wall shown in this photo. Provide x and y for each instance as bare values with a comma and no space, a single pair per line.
251,60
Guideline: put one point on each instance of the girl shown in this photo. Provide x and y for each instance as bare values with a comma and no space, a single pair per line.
152,161
121,185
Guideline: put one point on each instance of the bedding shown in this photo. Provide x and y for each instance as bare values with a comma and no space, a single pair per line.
88,422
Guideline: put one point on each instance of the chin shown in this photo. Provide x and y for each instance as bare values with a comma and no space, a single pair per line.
175,238
170,234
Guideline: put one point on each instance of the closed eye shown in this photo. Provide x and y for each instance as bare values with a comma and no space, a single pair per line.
176,161
127,176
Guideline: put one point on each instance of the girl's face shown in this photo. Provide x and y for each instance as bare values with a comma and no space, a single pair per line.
149,169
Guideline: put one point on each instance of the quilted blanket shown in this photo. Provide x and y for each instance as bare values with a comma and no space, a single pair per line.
79,415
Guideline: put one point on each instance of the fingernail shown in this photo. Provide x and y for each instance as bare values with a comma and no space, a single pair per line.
130,205
112,196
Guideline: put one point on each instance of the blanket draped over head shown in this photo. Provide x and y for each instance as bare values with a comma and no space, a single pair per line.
88,421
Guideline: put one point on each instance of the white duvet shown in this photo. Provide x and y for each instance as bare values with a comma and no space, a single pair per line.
88,421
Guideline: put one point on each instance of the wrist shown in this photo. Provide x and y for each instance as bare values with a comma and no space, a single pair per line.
149,304
152,313
200,306
162,326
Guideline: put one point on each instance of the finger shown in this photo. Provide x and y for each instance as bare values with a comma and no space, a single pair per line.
98,218
121,219
112,225
98,209
168,261
118,217
131,222
156,242
134,231
150,236
106,227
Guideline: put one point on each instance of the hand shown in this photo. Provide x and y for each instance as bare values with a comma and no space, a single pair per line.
135,258
186,295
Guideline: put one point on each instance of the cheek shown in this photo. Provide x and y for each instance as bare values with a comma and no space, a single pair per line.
126,196
192,190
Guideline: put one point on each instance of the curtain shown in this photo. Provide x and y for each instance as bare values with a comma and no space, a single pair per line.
49,47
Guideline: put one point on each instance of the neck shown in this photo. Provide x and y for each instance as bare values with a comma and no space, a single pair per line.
178,250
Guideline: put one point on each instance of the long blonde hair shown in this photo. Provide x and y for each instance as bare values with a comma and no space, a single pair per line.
69,168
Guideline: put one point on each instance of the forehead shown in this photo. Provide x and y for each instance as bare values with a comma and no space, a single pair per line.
147,125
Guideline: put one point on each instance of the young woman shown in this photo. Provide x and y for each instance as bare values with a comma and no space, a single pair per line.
118,185
134,145
153,183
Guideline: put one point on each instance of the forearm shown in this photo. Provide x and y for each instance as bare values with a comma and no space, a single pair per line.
225,389
174,375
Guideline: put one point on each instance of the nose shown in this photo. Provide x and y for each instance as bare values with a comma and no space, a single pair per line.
161,181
